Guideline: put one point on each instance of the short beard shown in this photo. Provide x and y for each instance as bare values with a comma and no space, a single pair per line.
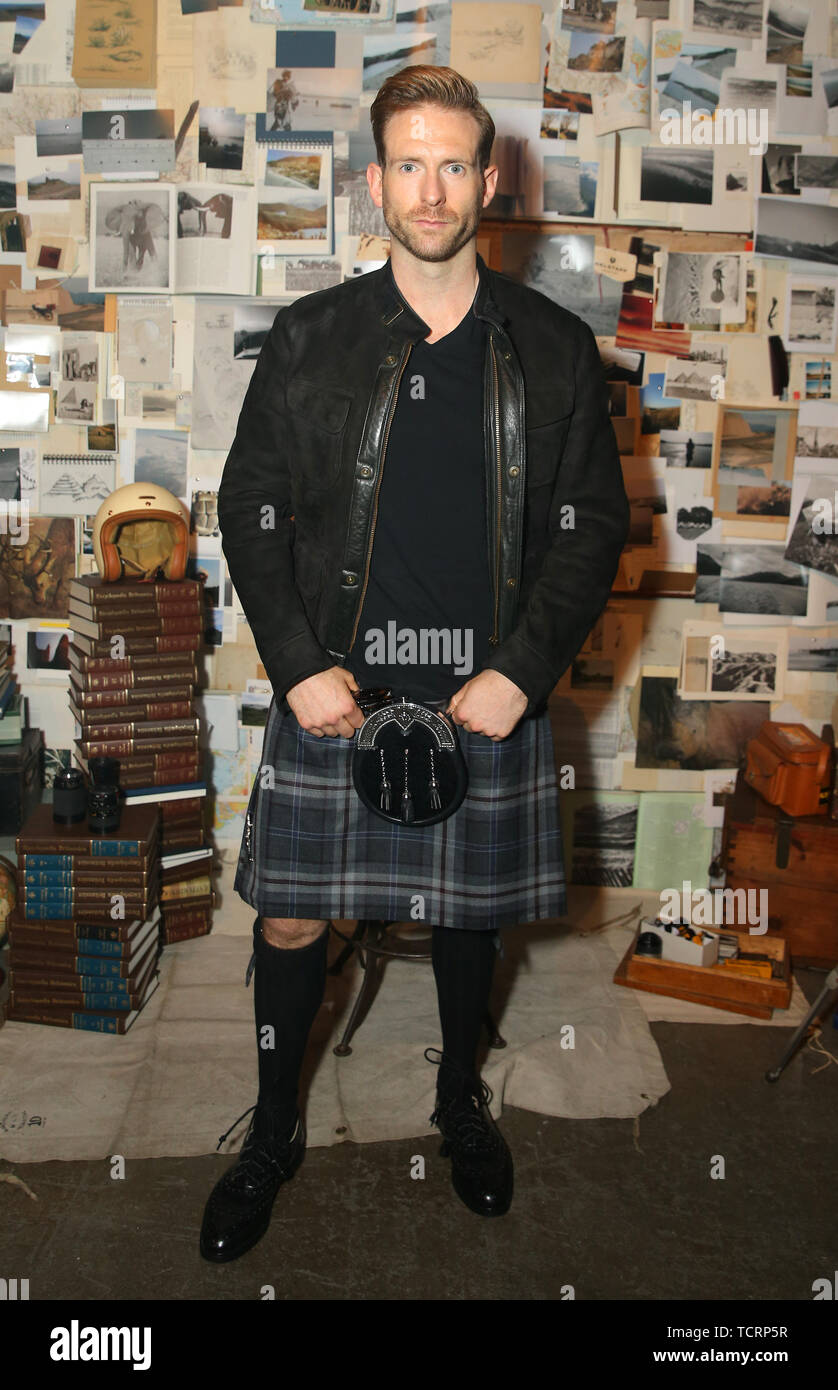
433,247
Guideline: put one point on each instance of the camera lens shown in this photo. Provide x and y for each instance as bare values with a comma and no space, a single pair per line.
103,809
69,797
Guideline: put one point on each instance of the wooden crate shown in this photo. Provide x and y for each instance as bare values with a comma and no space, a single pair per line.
795,859
713,984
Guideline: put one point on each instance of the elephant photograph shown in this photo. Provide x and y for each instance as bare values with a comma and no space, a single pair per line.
131,238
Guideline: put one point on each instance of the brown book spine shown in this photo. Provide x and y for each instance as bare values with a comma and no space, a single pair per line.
135,627
186,932
142,732
114,614
158,777
182,914
131,747
187,674
153,661
111,698
154,711
68,935
139,646
91,589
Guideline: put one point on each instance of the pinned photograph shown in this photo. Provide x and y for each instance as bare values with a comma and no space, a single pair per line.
76,484
742,20
251,325
796,230
816,441
10,475
818,383
686,448
810,315
597,15
58,183
676,175
48,650
778,165
814,538
699,377
292,169
311,99
35,578
758,579
75,402
220,137
589,52
160,456
754,462
8,192
79,357
816,171
292,215
559,125
785,30
570,187
132,241
699,288
58,136
693,735
562,267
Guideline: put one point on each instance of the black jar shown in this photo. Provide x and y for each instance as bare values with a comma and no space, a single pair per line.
69,797
103,809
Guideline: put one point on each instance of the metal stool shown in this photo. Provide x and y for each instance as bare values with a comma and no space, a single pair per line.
374,947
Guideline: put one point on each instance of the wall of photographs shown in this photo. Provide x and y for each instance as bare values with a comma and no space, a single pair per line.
173,172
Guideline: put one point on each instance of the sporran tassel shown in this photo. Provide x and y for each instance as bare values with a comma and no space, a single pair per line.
433,785
385,789
407,799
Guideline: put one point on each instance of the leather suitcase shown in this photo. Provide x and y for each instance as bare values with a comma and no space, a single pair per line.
795,859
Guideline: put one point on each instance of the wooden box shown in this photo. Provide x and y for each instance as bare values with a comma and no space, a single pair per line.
795,859
20,780
714,984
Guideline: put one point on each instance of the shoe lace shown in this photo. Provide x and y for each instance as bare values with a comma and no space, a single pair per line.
258,1157
462,1112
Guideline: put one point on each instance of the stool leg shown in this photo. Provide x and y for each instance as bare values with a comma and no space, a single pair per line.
369,985
344,955
495,1039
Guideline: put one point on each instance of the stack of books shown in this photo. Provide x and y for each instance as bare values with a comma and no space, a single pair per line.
12,721
85,931
186,895
133,675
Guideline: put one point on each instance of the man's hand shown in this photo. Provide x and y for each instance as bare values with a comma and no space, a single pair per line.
490,703
324,704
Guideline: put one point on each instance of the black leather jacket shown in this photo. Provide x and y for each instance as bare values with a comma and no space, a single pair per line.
298,497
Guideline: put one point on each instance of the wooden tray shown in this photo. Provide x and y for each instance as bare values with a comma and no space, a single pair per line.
713,984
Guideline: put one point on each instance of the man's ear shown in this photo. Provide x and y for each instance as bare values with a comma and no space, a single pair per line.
375,174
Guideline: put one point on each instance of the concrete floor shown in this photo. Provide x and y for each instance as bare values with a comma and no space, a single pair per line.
617,1209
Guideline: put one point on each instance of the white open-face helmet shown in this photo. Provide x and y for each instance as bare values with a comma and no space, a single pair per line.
141,532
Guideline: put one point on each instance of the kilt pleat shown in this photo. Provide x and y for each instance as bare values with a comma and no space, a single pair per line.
311,848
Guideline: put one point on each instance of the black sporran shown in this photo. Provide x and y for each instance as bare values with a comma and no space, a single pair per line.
407,764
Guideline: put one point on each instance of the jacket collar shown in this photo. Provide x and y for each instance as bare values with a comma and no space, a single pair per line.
394,310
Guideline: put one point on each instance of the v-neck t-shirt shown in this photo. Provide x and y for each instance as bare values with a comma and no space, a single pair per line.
426,619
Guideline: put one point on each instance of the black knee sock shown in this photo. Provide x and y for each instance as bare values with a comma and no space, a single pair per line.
463,962
288,990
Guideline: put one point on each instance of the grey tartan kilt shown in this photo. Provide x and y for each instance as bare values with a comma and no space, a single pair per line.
311,848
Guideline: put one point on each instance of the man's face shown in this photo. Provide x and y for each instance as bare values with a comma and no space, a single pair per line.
431,191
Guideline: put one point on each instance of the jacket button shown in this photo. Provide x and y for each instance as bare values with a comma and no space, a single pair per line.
514,471
390,361
350,578
510,583
365,472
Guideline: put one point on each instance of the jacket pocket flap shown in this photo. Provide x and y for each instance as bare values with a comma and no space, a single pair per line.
324,406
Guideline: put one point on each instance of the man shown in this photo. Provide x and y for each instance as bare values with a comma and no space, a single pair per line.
425,448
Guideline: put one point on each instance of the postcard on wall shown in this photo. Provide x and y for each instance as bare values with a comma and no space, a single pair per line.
311,99
144,339
810,315
753,463
228,338
40,588
25,410
132,237
498,42
76,484
814,538
742,663
291,219
214,239
128,142
115,47
233,55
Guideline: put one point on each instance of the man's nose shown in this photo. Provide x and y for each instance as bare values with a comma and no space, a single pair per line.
432,189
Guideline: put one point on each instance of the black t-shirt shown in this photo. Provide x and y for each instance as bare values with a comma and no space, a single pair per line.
429,594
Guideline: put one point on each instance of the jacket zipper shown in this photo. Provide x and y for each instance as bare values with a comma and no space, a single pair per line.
375,502
494,637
